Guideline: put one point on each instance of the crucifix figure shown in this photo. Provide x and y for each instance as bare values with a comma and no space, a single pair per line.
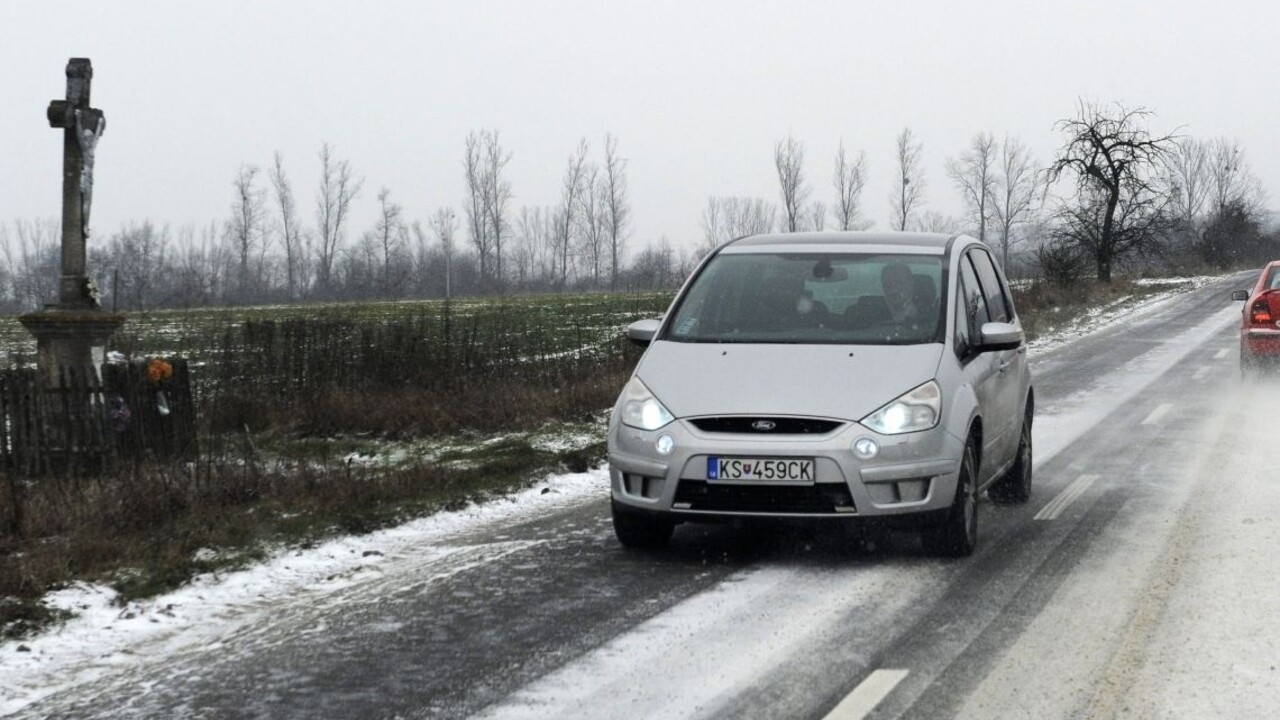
81,126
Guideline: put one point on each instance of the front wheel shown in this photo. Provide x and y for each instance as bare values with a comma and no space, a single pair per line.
641,531
957,536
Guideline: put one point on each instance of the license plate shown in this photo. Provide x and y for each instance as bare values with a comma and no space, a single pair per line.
757,469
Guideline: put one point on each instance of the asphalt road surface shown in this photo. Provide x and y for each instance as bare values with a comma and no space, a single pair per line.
1139,581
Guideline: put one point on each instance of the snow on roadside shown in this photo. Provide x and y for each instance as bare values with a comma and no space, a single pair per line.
1121,310
104,635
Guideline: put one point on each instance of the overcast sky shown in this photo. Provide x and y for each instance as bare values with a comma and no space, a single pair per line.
698,93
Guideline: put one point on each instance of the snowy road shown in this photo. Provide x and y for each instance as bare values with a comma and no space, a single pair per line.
1140,581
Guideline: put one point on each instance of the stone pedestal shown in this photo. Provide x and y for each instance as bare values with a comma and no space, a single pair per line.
70,338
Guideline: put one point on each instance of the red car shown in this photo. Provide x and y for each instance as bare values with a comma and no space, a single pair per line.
1260,324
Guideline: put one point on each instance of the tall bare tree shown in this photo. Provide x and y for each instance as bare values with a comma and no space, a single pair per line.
593,222
1017,186
788,161
391,234
1113,161
246,227
290,229
974,174
908,197
338,189
1187,165
571,190
617,205
477,208
850,178
497,190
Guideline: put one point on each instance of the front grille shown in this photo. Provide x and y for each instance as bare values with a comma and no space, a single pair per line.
758,425
818,499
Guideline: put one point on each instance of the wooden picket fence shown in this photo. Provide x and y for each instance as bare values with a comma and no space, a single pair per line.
89,422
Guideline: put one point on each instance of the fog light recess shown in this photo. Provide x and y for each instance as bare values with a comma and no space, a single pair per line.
665,444
866,448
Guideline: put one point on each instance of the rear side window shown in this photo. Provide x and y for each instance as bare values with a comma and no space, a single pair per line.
1273,279
992,288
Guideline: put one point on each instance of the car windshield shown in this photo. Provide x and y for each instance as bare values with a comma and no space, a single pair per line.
859,299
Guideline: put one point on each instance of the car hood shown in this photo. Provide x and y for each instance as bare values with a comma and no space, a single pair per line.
835,381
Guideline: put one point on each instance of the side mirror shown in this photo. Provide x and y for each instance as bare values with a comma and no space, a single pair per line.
1000,336
1240,295
641,332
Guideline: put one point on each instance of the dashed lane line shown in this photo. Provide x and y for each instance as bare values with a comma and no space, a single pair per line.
864,698
1221,354
1201,373
1065,498
1158,414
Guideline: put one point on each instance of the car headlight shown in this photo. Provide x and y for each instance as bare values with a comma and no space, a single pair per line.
917,410
640,409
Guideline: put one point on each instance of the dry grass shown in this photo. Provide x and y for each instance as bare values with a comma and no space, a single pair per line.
139,529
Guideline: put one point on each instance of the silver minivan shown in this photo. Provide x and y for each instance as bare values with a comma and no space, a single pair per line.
830,376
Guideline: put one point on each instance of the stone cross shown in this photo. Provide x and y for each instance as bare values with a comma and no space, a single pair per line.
73,333
82,126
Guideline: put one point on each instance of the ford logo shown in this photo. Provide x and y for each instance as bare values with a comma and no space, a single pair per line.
763,425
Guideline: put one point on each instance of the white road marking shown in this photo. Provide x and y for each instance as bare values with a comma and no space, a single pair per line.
1157,414
1065,498
1201,373
864,698
1221,354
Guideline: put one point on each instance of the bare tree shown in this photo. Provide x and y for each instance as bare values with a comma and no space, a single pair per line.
617,206
338,188
1113,161
1231,181
444,224
477,207
936,222
1187,165
593,222
391,234
571,190
290,230
849,179
138,252
247,224
1016,189
788,161
974,174
33,265
497,192
727,218
909,195
817,217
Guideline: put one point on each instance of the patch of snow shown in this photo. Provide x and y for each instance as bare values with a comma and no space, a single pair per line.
104,635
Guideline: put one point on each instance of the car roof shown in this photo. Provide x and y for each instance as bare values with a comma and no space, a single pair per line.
876,242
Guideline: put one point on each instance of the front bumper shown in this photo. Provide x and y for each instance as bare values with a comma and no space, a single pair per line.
914,473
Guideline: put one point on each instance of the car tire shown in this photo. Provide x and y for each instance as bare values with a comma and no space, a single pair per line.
957,536
1015,485
641,531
